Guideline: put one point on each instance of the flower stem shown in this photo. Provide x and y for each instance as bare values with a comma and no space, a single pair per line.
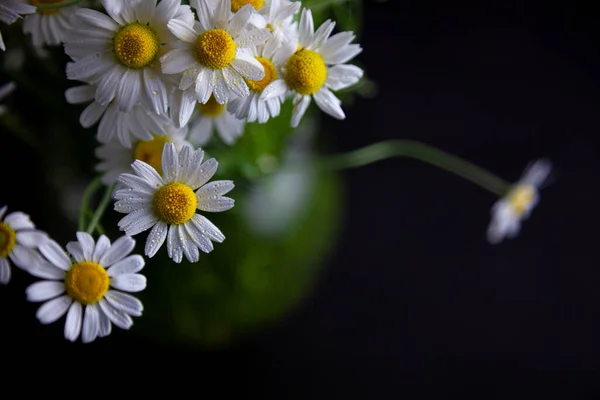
420,151
100,210
85,202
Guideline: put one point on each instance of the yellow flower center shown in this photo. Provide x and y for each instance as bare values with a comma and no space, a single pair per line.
521,198
150,151
175,203
211,108
86,282
270,76
305,71
270,27
215,49
136,45
237,4
46,3
8,239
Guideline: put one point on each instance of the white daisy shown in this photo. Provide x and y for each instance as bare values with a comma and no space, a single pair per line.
10,11
119,53
50,23
136,124
5,91
83,282
252,107
316,67
214,116
213,52
168,203
116,158
18,241
277,16
516,205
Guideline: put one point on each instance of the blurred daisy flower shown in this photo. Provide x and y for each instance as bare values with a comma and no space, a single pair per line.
48,25
82,283
211,117
168,203
517,204
10,11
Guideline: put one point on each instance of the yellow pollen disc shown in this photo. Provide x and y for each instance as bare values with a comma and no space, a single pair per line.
521,198
270,76
175,203
211,108
150,151
237,4
305,71
8,239
270,27
215,49
86,282
136,45
46,3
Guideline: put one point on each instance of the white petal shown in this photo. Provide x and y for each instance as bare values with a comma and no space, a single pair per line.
167,9
342,55
73,323
44,290
215,204
129,282
156,238
102,245
137,222
233,82
91,114
128,92
4,271
321,34
187,244
125,302
31,238
275,89
95,18
342,76
144,10
174,246
177,61
306,27
254,37
31,261
55,254
200,239
329,103
117,251
76,251
182,31
148,173
106,89
18,220
87,244
52,310
129,265
170,162
248,66
80,94
91,324
104,325
239,21
208,228
300,105
203,175
117,317
135,183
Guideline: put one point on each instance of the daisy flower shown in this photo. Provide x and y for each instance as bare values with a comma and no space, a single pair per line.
316,67
18,241
213,116
128,127
168,203
82,283
116,158
516,205
5,91
119,53
252,107
50,23
10,11
213,52
277,16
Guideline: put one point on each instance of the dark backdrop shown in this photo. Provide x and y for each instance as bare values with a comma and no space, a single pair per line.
414,301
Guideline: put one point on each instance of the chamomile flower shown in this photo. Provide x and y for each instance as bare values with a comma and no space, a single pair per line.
10,11
119,53
48,25
87,284
252,107
5,90
126,127
211,117
213,53
18,241
168,203
116,158
316,67
277,16
517,204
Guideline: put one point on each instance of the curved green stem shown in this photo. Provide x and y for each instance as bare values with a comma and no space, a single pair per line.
85,202
53,6
100,210
420,151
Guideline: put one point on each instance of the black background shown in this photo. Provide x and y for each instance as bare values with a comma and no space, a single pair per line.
414,302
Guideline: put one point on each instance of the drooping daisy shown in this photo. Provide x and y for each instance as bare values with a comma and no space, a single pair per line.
252,107
211,117
213,52
516,205
168,203
82,283
5,91
10,11
116,158
316,67
50,22
119,53
127,127
18,241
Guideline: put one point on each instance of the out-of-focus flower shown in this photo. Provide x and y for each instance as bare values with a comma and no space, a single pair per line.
168,203
86,286
516,205
48,26
213,116
10,11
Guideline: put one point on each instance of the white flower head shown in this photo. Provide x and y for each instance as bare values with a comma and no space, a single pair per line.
10,11
82,284
211,117
119,53
18,241
213,53
126,127
517,204
252,108
316,68
168,203
48,26
277,16
116,158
